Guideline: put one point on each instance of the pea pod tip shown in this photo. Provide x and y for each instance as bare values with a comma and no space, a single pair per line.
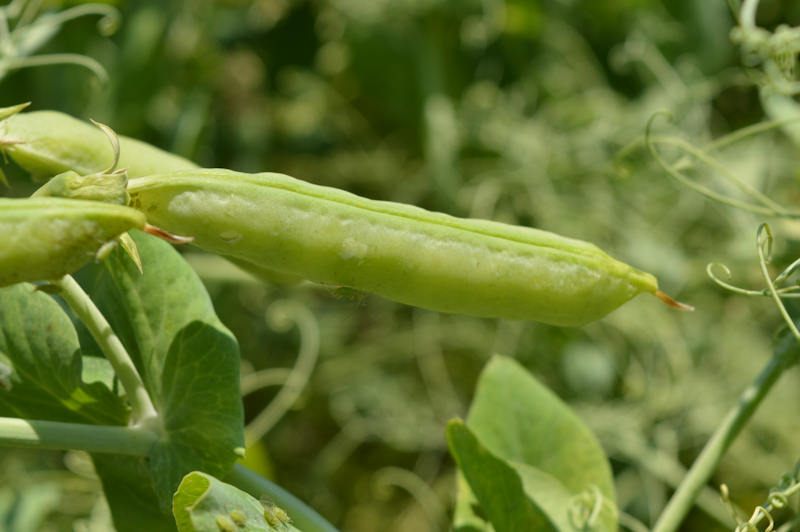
671,302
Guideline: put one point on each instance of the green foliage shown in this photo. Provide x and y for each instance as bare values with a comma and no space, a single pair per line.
204,504
189,362
41,364
496,484
523,448
128,484
509,110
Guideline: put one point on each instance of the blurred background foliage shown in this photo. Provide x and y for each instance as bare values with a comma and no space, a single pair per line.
512,110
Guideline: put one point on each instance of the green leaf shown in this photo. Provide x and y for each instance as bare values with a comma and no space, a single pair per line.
496,485
128,486
200,434
559,460
188,360
41,364
205,504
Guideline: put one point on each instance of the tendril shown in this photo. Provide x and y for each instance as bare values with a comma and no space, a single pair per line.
759,511
7,64
108,24
787,292
726,500
16,45
264,379
765,256
280,316
778,498
389,477
768,207
764,244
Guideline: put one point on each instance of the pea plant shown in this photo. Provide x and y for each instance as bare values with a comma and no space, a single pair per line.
181,406
111,345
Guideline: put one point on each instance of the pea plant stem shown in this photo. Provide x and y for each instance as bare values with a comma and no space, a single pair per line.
15,432
705,465
143,411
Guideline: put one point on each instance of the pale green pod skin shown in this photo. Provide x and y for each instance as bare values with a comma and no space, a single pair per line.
55,143
47,238
400,252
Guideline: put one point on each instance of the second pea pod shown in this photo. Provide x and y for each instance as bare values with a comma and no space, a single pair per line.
401,252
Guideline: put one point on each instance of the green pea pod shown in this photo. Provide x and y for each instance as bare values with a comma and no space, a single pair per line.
46,143
401,252
47,238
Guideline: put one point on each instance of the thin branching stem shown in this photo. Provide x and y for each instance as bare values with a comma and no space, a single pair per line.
705,465
768,207
730,176
143,411
787,292
765,256
749,131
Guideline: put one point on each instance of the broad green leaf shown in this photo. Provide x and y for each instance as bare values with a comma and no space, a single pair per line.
188,360
522,422
41,364
205,504
496,484
200,431
128,486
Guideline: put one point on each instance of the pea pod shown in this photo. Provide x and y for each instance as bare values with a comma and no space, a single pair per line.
47,238
401,252
47,143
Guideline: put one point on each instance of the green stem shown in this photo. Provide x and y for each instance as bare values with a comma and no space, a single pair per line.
303,516
144,413
15,432
56,59
747,15
705,465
